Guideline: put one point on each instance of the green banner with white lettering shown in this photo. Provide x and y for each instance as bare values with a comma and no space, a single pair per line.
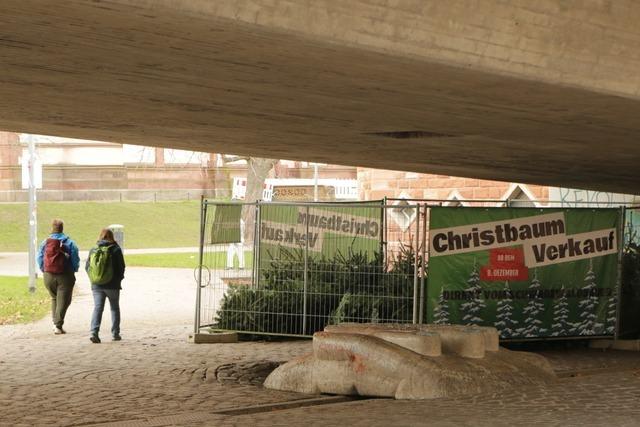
529,272
321,231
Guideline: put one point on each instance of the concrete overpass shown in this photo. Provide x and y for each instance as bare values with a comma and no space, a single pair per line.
546,92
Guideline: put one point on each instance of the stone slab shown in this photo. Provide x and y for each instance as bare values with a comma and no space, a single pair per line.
214,338
352,359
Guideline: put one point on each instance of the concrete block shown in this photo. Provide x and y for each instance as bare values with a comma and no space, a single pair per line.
491,337
629,345
461,340
413,338
214,338
465,341
601,344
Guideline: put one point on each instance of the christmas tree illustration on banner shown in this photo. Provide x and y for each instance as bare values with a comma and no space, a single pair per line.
441,312
561,326
505,322
533,311
588,305
612,309
474,306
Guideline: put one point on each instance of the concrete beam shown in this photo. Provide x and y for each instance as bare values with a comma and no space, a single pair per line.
543,93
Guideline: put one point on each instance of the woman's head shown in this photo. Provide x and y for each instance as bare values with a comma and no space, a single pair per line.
107,235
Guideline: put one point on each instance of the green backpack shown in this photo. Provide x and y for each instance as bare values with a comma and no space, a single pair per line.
100,266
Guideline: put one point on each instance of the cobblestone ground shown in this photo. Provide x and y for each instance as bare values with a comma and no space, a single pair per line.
66,380
154,377
602,400
48,379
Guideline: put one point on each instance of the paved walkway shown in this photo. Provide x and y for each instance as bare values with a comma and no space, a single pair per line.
155,377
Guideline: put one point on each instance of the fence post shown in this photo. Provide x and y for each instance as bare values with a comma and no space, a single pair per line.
423,267
383,226
415,266
203,207
306,273
383,238
622,220
255,270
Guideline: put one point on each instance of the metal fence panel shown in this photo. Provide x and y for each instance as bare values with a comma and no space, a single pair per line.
293,268
227,256
310,265
629,301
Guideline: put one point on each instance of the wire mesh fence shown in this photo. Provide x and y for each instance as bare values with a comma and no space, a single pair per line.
293,268
632,226
630,275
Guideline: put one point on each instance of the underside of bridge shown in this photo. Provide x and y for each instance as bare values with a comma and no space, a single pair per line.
539,92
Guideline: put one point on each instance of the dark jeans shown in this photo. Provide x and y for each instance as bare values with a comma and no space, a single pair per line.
60,287
99,298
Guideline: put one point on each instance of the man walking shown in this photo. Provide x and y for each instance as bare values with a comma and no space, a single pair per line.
236,248
59,260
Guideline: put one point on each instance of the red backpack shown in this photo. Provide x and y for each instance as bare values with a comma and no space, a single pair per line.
55,256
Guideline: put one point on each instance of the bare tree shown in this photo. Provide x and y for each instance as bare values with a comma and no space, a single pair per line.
258,169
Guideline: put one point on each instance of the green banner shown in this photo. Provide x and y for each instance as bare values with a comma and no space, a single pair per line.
325,231
529,272
225,226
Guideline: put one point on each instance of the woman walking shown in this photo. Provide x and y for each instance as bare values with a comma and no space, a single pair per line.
105,267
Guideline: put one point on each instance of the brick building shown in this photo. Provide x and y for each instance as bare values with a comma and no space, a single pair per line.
453,191
95,170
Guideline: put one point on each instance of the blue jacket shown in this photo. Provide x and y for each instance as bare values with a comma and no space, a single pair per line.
74,258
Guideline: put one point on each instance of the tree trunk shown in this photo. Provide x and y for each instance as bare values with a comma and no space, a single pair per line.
258,169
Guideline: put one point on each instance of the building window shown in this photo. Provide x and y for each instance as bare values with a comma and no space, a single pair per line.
519,197
454,199
403,213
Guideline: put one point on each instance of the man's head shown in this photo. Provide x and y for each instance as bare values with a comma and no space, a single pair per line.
57,225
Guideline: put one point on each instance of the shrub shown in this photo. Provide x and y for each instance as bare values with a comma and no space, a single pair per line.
354,288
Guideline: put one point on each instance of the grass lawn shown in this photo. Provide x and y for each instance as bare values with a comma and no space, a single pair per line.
146,225
214,260
18,305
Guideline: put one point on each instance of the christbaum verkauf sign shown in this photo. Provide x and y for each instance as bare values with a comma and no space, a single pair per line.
529,272
322,231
